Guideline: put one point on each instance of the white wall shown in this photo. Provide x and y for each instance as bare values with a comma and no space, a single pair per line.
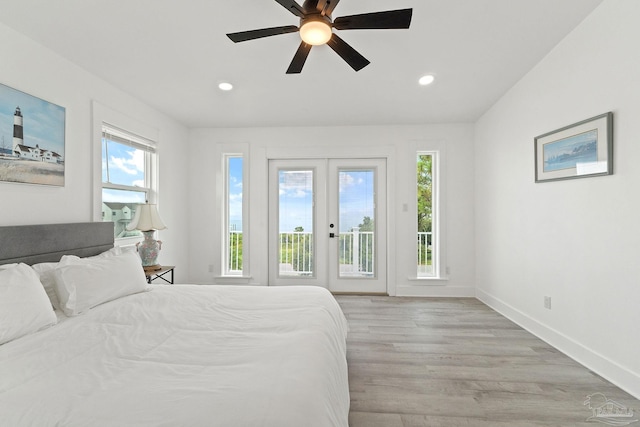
31,68
397,143
576,241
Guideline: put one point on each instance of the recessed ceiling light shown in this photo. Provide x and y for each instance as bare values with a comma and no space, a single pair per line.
225,86
426,80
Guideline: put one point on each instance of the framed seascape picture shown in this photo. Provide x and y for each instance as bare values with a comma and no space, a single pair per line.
580,150
32,133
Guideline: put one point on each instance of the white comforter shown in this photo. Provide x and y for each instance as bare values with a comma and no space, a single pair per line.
184,355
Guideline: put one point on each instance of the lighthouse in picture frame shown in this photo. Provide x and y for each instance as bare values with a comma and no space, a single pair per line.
147,220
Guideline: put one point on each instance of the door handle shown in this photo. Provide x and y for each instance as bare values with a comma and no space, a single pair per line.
332,235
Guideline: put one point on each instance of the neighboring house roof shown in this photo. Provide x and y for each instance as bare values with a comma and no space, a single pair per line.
118,205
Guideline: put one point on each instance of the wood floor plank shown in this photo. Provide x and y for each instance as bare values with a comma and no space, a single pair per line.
455,362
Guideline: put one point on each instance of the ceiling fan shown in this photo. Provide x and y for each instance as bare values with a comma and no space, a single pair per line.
316,29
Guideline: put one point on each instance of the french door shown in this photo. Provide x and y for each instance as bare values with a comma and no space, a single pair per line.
327,224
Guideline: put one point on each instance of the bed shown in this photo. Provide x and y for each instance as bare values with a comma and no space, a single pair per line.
165,355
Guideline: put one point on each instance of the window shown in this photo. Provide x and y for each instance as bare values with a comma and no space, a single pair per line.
232,250
426,238
128,163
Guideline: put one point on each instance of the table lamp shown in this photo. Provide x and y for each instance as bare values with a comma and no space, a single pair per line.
148,220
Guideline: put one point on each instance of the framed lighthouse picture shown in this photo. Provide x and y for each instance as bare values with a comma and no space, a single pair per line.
32,133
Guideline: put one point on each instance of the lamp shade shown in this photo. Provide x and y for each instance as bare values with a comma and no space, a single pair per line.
146,218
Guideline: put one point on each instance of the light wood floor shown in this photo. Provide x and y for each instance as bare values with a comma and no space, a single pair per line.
455,362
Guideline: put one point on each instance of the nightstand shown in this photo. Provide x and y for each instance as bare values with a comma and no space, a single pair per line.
160,274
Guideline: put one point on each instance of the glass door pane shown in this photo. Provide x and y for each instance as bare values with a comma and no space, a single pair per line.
327,224
356,216
295,222
356,201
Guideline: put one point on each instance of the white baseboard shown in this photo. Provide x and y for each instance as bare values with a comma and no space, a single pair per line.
620,376
424,290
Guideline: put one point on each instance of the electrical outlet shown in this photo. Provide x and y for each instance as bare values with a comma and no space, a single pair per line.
547,302
210,268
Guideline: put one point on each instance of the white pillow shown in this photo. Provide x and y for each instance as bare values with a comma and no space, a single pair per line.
7,266
46,272
83,283
24,306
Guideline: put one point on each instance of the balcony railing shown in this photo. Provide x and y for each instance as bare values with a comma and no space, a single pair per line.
356,253
235,252
425,254
296,253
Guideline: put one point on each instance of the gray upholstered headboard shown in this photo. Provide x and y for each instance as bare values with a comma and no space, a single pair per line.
32,244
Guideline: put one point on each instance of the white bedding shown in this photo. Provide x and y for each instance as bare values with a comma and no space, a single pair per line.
184,355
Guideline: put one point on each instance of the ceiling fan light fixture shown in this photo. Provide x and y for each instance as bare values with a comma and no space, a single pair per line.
315,32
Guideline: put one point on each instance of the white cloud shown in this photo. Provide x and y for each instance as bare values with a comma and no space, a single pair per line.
346,181
296,184
131,165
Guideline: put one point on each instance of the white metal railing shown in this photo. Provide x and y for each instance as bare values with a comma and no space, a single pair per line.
356,252
425,254
296,253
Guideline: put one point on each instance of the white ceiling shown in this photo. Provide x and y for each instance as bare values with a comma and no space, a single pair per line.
172,54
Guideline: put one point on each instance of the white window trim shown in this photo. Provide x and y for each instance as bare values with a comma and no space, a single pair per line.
435,213
225,217
441,275
221,272
102,114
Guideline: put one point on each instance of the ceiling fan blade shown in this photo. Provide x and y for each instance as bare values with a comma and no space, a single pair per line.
390,19
331,4
243,36
324,7
349,54
292,7
299,59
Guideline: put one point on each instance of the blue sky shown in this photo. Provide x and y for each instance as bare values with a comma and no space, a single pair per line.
356,198
235,192
296,199
43,122
126,167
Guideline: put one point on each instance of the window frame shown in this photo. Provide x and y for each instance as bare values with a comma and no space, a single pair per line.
435,215
101,116
226,221
125,138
